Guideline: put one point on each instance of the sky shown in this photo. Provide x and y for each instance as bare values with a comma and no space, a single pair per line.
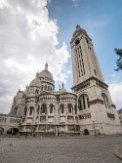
33,32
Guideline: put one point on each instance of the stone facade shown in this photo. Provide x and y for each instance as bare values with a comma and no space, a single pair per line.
87,110
44,110
96,111
120,115
9,124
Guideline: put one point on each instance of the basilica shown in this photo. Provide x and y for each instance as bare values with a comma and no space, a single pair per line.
86,110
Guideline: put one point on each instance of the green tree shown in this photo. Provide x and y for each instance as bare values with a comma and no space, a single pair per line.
119,60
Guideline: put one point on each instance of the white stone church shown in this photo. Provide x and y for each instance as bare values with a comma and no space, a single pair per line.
87,110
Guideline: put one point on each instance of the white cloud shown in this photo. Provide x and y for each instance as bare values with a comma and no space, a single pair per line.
113,75
28,39
3,3
116,93
75,3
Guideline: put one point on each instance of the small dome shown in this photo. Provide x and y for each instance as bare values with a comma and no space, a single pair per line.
45,73
35,83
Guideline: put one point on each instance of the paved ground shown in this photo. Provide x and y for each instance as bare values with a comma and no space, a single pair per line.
60,150
118,152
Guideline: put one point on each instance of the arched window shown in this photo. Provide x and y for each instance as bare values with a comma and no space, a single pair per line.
105,100
15,110
44,108
77,42
31,110
45,87
86,132
37,91
51,108
88,102
25,111
61,109
42,87
1,130
83,102
70,108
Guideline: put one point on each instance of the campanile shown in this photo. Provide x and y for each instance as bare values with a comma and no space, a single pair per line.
94,103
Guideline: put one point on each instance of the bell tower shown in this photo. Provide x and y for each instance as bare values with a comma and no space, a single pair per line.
85,64
95,107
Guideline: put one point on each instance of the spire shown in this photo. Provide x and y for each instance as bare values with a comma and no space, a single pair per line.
77,26
46,66
63,85
62,88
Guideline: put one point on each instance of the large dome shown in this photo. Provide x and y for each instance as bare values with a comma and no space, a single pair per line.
35,83
46,74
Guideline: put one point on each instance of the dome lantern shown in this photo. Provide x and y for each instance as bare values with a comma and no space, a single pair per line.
46,74
46,66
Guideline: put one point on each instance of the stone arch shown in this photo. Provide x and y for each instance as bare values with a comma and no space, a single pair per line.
61,108
51,108
70,108
83,102
15,110
1,130
37,91
44,108
86,132
42,87
31,110
25,110
77,42
12,131
105,100
48,88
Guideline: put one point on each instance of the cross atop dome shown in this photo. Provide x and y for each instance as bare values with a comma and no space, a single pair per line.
46,66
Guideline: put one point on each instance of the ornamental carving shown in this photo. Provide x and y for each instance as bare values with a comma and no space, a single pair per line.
85,116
